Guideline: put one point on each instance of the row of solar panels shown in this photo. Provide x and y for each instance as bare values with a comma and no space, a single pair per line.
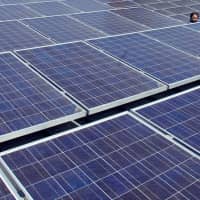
34,91
176,9
121,157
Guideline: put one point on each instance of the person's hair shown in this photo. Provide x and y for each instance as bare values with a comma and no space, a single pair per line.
191,15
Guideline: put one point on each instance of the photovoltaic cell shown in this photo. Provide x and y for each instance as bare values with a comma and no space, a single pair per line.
52,8
162,62
109,22
179,37
118,159
62,28
93,78
5,194
14,35
10,12
27,101
147,17
87,5
181,17
179,116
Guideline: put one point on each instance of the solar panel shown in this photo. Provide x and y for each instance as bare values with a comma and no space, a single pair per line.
160,61
178,37
193,26
161,5
178,116
52,8
147,17
62,28
146,1
185,2
18,1
27,102
181,17
123,4
14,35
10,12
109,22
96,80
180,10
118,158
5,193
87,5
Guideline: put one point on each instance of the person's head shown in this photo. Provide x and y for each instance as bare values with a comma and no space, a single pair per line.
194,17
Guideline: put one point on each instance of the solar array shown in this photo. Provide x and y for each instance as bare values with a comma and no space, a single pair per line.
160,61
119,158
61,61
27,101
179,116
93,78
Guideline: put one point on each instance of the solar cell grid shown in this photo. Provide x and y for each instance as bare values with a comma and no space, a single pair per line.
62,28
84,165
178,37
27,101
162,62
93,78
147,17
10,12
179,116
14,35
52,8
109,22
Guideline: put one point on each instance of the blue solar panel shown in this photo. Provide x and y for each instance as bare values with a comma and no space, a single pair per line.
123,4
185,2
162,62
179,37
5,194
27,101
52,8
146,1
87,5
147,17
179,116
194,26
18,1
14,35
161,5
95,79
180,10
62,28
10,12
109,22
119,159
181,17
